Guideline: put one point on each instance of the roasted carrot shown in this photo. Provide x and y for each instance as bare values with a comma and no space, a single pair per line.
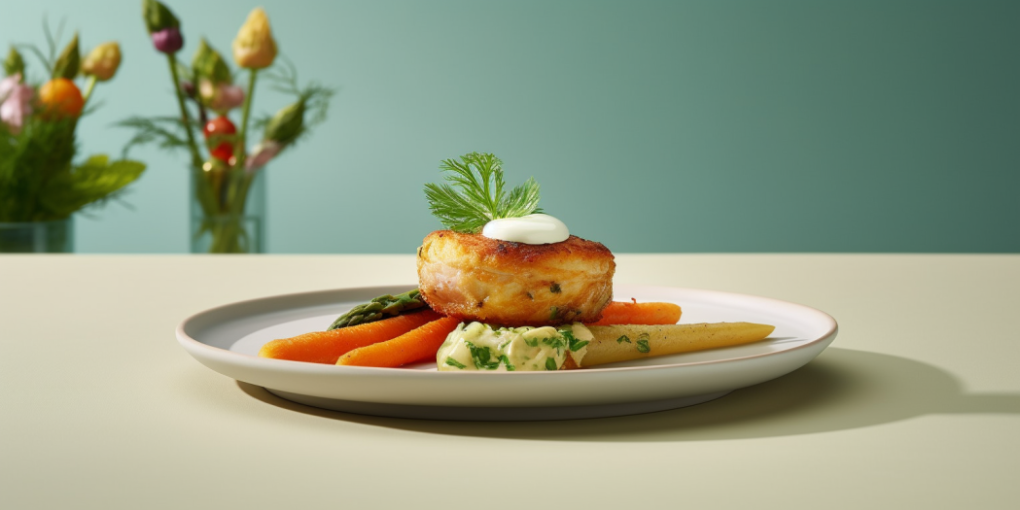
622,312
417,345
328,346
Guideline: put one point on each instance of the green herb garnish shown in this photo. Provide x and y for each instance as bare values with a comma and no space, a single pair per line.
532,342
555,288
506,362
481,357
642,346
480,197
623,339
573,343
454,363
550,364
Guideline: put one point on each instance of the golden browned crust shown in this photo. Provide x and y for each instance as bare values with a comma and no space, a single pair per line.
515,284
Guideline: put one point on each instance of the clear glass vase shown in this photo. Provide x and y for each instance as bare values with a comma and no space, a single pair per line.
37,237
237,225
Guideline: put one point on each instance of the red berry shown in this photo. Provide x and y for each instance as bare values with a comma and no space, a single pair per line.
219,126
223,151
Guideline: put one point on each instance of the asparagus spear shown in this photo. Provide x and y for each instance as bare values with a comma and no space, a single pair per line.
379,308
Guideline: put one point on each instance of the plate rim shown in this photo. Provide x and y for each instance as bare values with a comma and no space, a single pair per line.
228,356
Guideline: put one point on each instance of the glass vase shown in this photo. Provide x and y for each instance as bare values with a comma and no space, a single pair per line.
37,237
237,226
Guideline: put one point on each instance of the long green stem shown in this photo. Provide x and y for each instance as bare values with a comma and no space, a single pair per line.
239,178
241,150
88,89
196,159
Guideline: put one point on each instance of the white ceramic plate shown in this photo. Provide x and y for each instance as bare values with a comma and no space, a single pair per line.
227,339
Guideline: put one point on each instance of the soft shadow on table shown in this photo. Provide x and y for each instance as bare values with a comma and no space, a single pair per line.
841,389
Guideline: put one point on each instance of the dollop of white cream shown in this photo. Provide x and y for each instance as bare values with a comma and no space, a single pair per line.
530,229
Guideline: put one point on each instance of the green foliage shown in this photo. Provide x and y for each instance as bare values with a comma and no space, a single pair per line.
157,16
14,64
167,133
38,181
69,62
209,64
481,197
289,124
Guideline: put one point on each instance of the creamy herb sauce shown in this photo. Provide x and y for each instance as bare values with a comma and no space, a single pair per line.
478,346
530,229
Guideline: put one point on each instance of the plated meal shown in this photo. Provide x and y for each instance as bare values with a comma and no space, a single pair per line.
506,288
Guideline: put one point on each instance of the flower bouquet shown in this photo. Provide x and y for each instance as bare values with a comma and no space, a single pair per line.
41,186
224,172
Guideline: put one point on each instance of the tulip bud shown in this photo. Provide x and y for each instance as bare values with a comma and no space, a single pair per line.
168,40
102,62
262,154
254,47
287,124
68,63
158,17
209,64
14,63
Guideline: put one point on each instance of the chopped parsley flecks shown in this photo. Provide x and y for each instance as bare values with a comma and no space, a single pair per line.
481,357
572,342
454,363
550,364
623,339
642,346
506,362
555,342
555,288
532,342
553,312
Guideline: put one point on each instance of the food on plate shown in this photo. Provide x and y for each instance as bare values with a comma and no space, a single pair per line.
489,280
328,346
383,306
623,312
479,346
506,288
502,261
419,344
625,342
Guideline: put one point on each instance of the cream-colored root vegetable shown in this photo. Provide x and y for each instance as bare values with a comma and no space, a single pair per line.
629,342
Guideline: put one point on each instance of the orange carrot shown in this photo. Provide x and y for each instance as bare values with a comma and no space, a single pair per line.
622,312
418,345
328,346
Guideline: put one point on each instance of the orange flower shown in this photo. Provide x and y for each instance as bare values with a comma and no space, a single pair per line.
61,97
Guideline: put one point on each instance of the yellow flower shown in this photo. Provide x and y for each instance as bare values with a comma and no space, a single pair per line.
254,47
103,61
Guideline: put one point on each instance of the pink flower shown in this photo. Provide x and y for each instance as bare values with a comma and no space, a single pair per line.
168,40
261,154
221,97
230,97
17,103
7,85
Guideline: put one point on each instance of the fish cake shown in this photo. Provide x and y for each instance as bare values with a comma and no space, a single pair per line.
515,284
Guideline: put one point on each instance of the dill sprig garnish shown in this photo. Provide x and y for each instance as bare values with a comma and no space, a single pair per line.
480,196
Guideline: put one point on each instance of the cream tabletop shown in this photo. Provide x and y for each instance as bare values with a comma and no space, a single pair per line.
915,405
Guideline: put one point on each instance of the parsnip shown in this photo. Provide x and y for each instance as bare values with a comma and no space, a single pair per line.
629,341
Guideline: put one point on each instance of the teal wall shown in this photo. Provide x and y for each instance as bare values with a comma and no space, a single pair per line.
674,126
